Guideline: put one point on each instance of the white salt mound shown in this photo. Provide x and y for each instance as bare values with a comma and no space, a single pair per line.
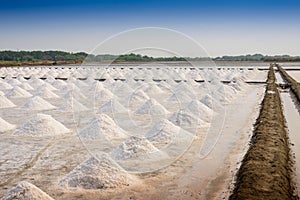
46,93
112,106
199,109
37,103
72,105
103,94
187,120
134,148
5,103
102,126
151,106
18,92
26,191
165,132
97,173
41,125
5,126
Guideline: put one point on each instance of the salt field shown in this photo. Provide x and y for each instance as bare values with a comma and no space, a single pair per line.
68,135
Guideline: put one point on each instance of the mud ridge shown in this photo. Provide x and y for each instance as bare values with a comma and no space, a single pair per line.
266,171
295,86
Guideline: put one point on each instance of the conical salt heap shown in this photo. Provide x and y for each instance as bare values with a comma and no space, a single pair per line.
41,125
26,191
5,126
99,172
102,126
37,103
5,102
72,105
112,106
17,92
151,106
134,148
165,132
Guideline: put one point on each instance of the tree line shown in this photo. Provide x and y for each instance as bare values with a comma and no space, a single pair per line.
59,56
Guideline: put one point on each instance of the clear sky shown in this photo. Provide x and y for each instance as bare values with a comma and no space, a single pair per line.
223,27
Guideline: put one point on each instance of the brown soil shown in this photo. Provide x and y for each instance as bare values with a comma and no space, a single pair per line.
295,86
266,170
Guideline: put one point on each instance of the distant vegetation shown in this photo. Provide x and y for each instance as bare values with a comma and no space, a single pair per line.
9,58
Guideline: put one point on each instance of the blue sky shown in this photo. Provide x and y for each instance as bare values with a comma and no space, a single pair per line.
222,27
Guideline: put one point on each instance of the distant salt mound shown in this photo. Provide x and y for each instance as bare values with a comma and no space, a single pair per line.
59,84
26,86
180,97
26,191
198,108
153,89
152,107
134,148
47,94
5,86
37,103
72,105
18,92
5,102
97,173
5,126
14,82
138,97
41,125
47,86
165,132
102,126
103,94
74,94
112,106
187,120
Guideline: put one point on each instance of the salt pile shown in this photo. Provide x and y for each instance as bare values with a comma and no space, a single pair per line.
26,86
5,86
187,120
112,106
138,97
198,108
5,126
97,173
41,125
46,93
134,148
102,126
37,103
5,103
26,191
72,105
18,92
165,132
152,107
103,94
153,89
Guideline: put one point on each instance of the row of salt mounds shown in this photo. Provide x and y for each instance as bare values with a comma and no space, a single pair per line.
102,126
26,191
18,92
5,126
37,103
97,173
152,107
6,103
165,132
41,125
113,106
135,148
